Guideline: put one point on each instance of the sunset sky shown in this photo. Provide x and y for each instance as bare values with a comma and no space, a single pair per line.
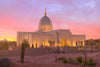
80,16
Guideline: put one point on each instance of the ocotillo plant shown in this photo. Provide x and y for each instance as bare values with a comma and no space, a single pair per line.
22,53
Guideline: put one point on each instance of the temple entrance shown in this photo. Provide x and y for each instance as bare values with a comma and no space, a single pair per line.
64,42
36,44
43,44
79,43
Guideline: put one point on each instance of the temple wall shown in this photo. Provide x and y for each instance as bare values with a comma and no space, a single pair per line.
42,38
78,38
65,35
34,38
21,36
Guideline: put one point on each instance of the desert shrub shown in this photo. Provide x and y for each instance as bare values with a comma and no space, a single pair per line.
22,53
70,60
90,63
85,62
65,61
61,58
4,62
79,59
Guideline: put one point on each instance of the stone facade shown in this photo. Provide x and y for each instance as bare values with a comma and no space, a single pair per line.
45,34
42,38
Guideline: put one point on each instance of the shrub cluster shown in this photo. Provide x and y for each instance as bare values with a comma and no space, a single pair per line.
61,58
65,61
90,62
4,62
70,60
79,59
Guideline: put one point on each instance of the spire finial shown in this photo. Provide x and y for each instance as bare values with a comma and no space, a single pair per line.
45,12
45,9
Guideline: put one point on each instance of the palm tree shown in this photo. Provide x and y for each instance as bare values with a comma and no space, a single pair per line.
50,42
53,43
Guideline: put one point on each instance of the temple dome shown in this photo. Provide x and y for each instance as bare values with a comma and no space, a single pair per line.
45,20
45,24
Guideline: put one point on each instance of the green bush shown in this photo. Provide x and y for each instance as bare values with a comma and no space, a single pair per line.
90,63
85,62
4,62
61,58
65,61
79,59
70,60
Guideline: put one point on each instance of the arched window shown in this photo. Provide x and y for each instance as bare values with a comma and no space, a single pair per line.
81,43
76,43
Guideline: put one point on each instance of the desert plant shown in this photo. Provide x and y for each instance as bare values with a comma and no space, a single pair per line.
50,42
4,62
61,58
26,43
91,63
64,48
32,46
92,43
58,49
6,45
65,61
79,59
56,58
53,43
22,52
84,62
70,60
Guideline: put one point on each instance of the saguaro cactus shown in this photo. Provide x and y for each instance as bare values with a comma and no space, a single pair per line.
22,53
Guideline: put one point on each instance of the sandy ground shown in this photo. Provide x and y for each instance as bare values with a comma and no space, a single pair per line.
50,58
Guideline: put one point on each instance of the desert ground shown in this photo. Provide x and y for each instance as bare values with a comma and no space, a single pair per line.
48,60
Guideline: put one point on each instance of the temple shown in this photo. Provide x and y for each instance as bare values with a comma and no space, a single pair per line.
46,34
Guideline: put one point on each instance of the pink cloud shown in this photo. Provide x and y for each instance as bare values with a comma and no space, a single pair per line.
91,30
24,15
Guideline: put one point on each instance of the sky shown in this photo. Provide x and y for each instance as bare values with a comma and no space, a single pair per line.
80,16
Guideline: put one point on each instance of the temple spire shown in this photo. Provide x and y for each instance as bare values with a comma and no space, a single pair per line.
45,12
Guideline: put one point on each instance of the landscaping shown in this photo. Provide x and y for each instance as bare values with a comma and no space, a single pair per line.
4,62
79,60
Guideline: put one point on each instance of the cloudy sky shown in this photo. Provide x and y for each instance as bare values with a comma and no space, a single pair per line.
80,16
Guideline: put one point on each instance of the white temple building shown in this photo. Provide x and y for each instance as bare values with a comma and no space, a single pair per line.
46,33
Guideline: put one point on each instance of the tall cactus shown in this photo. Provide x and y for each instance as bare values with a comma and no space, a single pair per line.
22,53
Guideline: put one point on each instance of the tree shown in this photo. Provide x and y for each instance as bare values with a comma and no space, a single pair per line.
85,57
91,42
53,43
99,43
32,46
26,44
6,45
50,42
